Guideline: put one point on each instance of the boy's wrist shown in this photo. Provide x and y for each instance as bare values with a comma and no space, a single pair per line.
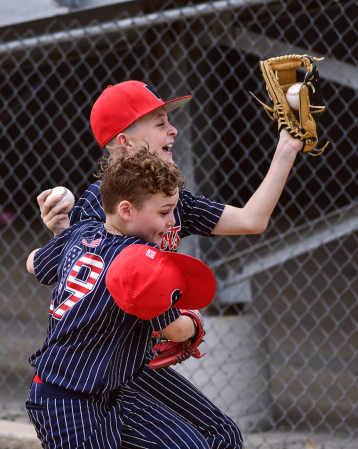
288,143
195,327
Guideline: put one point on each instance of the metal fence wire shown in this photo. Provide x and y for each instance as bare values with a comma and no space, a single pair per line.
282,333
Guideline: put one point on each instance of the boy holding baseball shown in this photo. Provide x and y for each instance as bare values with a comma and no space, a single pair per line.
84,394
125,115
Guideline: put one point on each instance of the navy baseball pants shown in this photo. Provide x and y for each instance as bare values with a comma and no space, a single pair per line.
177,394
147,413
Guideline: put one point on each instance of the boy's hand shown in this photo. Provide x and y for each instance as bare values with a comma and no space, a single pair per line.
167,353
53,219
287,139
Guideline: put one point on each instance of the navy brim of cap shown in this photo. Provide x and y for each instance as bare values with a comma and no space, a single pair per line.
201,283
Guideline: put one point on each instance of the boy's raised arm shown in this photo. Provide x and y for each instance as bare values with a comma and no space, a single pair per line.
253,218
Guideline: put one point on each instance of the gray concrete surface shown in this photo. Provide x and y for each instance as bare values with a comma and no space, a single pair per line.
21,435
17,434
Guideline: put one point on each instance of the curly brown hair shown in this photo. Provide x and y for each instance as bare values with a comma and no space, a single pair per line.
135,176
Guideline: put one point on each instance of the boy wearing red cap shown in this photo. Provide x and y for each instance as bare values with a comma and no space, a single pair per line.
127,114
83,394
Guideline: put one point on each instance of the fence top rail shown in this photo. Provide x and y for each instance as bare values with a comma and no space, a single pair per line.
125,25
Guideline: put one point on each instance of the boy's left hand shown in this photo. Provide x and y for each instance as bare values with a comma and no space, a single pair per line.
52,217
167,353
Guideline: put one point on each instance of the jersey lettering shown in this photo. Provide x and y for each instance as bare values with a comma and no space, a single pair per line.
171,239
80,281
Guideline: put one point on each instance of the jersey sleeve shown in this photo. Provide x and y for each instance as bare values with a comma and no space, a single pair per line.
200,214
162,321
47,258
89,205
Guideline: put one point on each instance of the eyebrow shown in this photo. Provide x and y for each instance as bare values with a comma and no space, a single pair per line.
160,115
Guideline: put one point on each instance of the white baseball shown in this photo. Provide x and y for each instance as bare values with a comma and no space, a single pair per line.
293,96
66,195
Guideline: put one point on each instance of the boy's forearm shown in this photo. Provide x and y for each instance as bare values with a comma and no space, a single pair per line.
264,200
181,329
254,217
30,261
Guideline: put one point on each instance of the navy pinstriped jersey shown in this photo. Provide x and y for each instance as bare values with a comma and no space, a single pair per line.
193,214
92,346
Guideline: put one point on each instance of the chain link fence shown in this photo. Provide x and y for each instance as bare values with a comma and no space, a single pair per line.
282,331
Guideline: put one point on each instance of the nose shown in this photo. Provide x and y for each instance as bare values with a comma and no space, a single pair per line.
172,131
171,219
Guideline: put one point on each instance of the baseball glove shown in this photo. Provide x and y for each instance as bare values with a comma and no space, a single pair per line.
168,352
280,74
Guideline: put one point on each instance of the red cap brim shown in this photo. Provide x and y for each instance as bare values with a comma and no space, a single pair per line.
201,283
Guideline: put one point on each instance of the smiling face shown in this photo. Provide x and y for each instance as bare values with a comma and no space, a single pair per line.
154,218
139,191
155,130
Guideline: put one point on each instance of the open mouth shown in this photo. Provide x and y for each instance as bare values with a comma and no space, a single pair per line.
167,148
162,234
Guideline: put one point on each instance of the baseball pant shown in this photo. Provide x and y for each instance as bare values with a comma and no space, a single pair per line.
124,418
178,395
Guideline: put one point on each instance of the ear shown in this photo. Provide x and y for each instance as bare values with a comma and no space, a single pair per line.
125,209
122,140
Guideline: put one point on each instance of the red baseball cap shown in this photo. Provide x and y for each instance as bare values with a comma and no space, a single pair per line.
120,105
146,282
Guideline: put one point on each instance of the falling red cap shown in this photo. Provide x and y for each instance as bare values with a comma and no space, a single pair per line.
146,282
120,105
